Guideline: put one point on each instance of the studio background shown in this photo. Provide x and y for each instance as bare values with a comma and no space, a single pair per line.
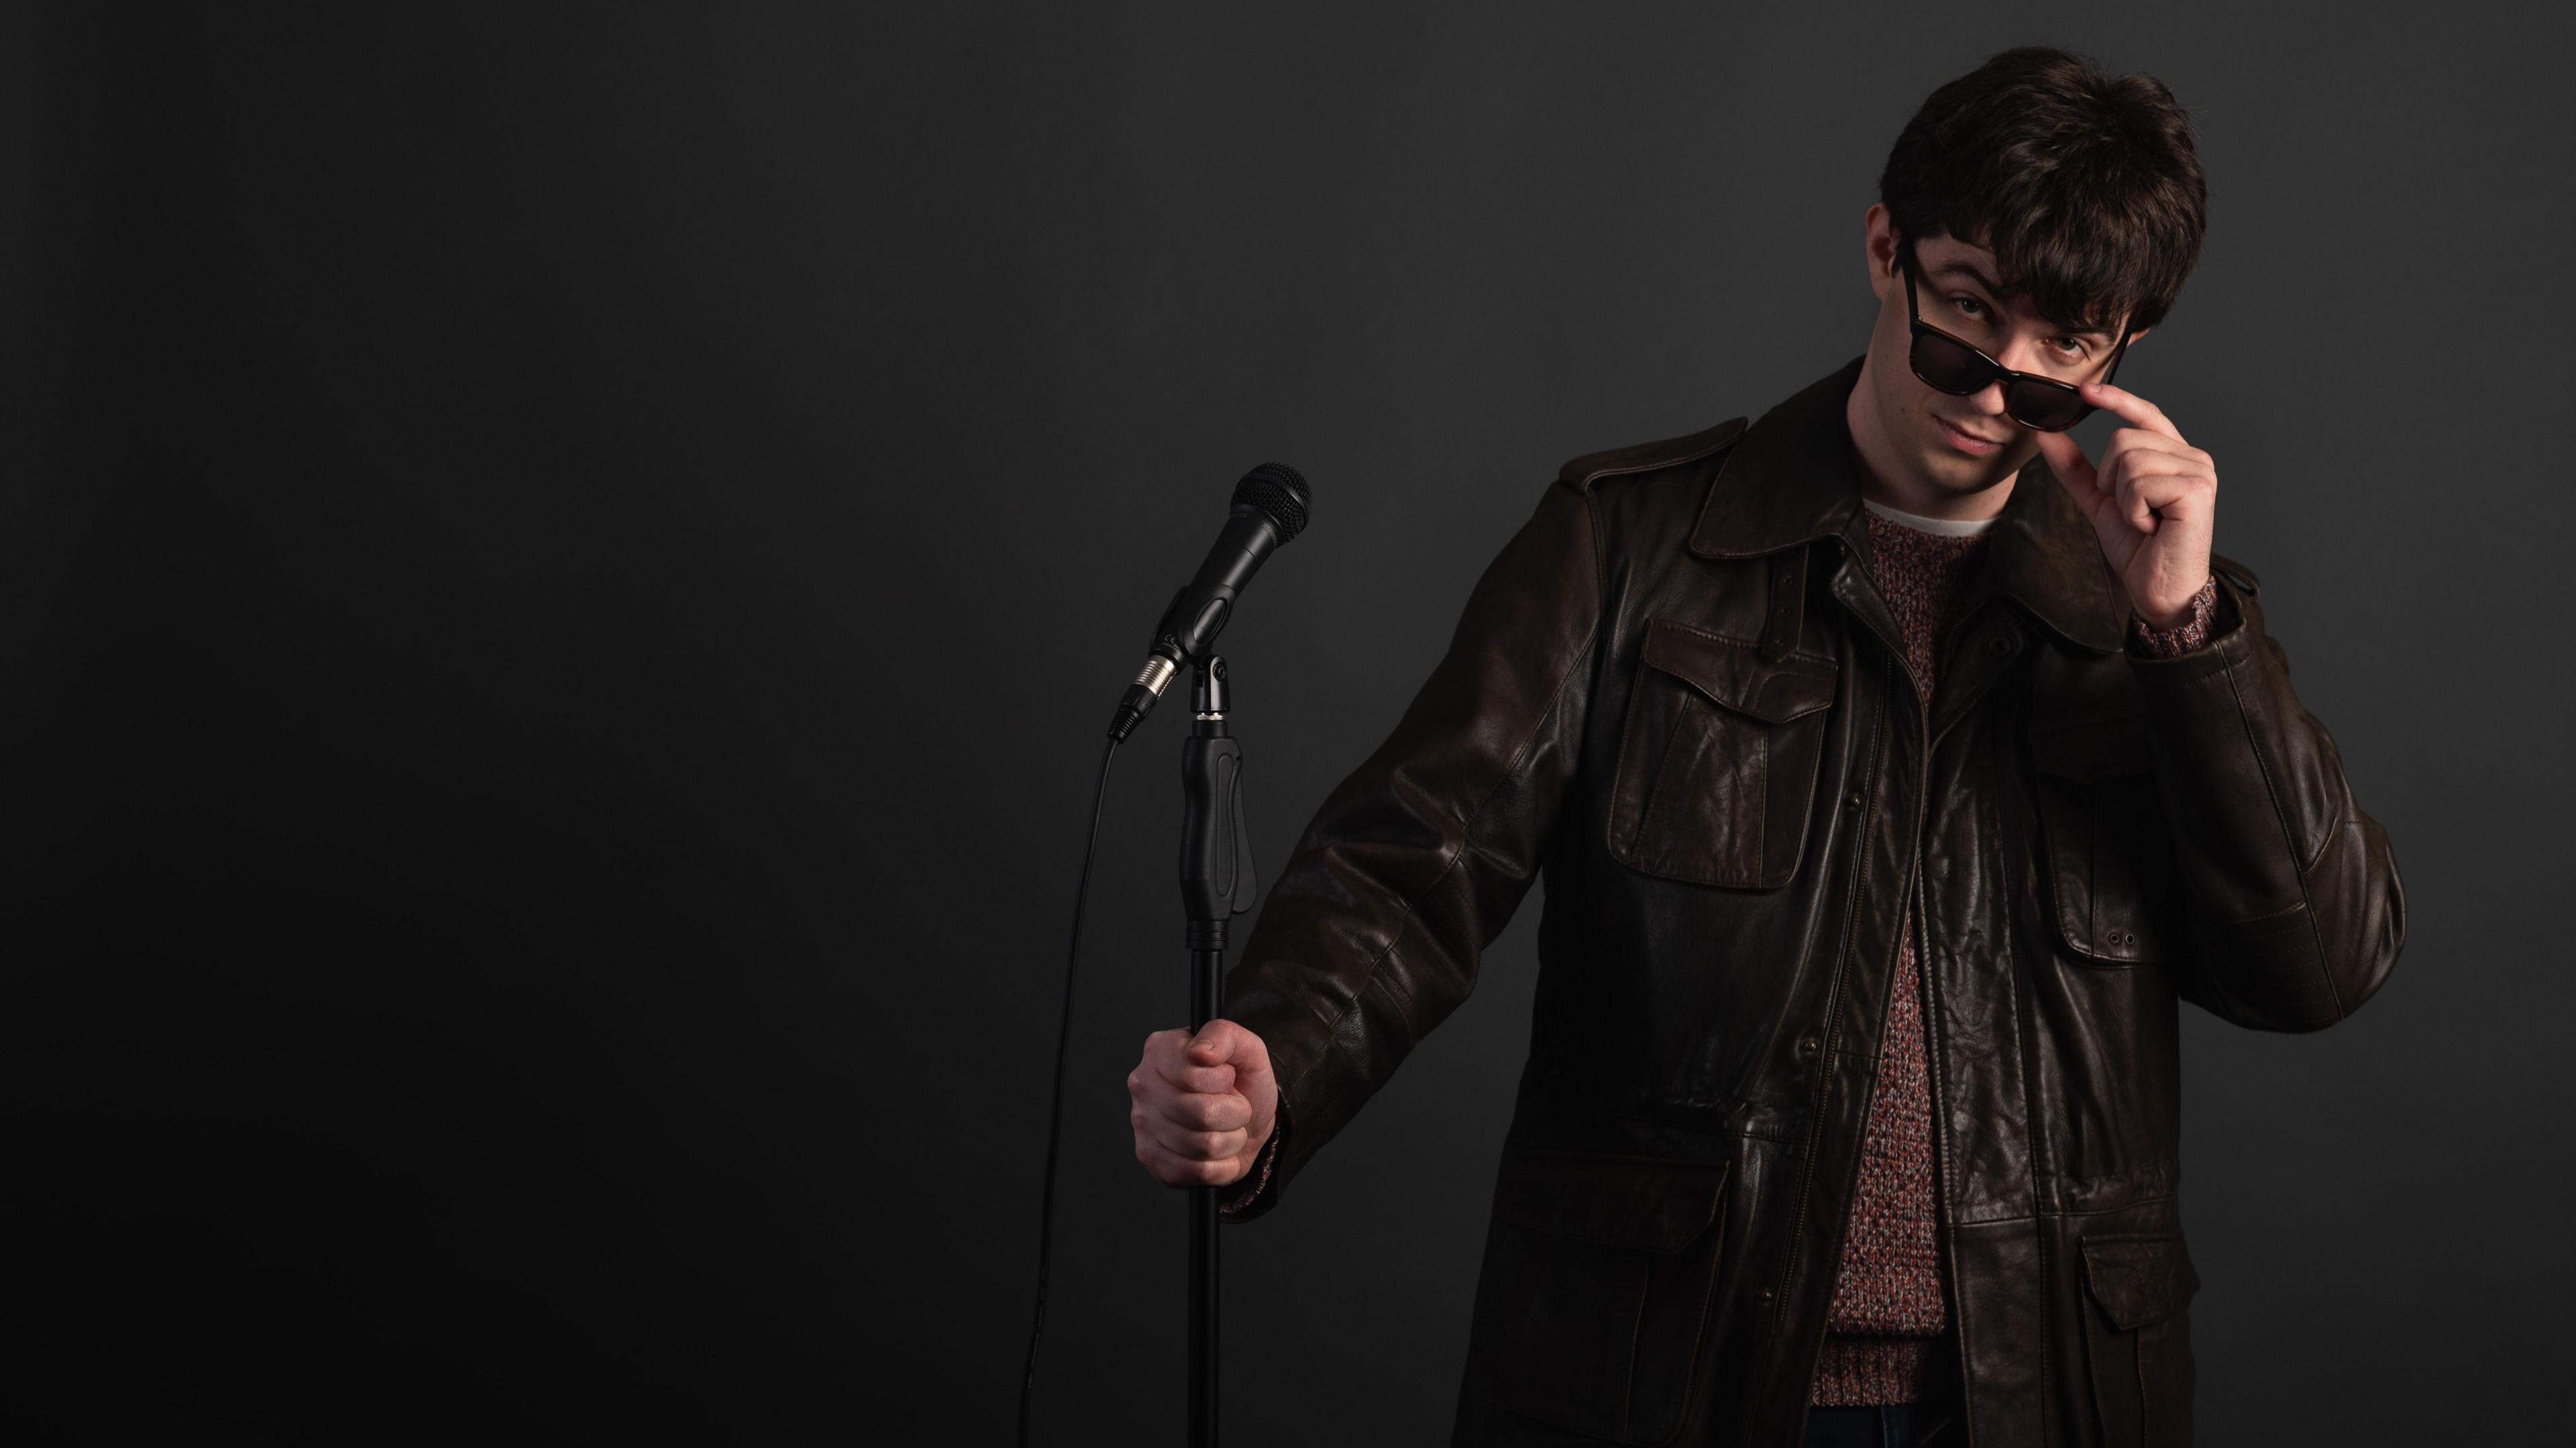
566,567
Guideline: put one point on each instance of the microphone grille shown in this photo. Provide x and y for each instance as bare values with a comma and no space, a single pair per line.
1279,491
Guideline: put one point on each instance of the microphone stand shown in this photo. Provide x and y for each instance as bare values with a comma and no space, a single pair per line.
1216,885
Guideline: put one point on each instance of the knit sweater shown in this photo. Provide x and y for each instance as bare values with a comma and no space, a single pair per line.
1889,1311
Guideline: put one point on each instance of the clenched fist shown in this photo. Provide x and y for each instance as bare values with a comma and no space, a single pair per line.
1202,1105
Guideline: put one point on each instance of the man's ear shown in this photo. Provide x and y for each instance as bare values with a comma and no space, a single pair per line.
2139,335
1878,248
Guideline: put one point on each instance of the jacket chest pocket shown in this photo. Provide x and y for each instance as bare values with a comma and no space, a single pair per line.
1717,765
2105,855
1595,1291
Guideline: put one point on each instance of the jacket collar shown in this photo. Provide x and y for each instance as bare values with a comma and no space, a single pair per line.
1794,477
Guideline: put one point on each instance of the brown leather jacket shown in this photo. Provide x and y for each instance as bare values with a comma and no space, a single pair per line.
1678,692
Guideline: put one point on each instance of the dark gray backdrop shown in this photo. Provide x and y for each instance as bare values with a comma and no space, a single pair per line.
564,574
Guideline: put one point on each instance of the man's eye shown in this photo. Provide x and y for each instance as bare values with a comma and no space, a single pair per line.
2075,350
1964,303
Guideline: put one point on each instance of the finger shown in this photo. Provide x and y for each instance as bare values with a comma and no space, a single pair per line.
1169,1054
1165,1078
2147,439
1206,1111
1180,1140
2132,447
1174,1171
1223,1040
2153,486
1191,1145
2130,408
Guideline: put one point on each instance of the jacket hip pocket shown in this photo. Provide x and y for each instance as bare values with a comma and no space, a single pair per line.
1717,766
1595,1290
2137,1339
2106,856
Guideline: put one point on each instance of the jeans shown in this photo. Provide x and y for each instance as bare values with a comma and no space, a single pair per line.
1893,1425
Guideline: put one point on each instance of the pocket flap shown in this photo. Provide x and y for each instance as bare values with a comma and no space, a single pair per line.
2139,1280
1735,674
1659,1205
2095,749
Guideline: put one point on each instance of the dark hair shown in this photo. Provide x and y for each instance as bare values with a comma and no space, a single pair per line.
2085,187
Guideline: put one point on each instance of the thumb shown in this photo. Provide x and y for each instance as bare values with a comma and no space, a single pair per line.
2073,470
1222,1041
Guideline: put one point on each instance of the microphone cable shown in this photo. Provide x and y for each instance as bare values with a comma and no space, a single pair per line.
1055,1121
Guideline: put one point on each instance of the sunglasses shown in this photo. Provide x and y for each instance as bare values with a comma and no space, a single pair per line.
1947,364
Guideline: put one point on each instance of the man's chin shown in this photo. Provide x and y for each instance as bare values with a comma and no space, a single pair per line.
1950,465
1961,476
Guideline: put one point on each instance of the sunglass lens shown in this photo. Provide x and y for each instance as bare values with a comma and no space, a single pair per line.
2050,409
1948,366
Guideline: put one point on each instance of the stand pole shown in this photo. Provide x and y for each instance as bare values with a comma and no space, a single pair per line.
1216,885
1205,967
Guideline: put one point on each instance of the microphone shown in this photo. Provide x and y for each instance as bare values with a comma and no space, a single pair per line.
1270,507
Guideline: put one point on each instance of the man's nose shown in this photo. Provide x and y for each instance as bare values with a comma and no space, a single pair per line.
2026,353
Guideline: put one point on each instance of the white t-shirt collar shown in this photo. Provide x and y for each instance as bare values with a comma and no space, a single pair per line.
1949,527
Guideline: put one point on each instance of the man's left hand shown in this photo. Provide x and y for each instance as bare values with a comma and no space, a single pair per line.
2152,503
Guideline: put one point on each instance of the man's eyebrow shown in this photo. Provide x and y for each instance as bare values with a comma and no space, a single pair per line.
1972,272
1977,274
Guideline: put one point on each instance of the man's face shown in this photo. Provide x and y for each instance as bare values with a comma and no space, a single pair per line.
1957,446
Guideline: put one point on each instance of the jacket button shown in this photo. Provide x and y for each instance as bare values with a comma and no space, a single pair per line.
1766,1294
1807,1045
1852,803
1999,645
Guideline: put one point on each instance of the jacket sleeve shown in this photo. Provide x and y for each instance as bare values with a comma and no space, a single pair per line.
2292,890
1373,931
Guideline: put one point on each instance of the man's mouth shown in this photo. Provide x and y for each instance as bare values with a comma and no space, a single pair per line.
1965,440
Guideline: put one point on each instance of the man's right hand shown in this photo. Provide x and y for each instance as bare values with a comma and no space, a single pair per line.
1203,1105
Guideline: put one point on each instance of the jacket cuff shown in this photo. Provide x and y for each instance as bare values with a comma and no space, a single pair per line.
2147,641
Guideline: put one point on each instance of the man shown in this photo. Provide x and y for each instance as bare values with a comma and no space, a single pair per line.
1895,769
